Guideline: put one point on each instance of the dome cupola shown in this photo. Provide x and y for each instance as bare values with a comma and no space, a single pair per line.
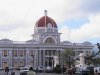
46,21
46,30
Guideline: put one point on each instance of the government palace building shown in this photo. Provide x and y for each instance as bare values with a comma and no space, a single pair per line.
43,49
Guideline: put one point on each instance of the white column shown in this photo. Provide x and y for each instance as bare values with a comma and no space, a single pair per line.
40,58
36,59
44,58
82,59
56,60
27,57
10,59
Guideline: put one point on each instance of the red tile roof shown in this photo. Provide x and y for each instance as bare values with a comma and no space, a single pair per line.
44,21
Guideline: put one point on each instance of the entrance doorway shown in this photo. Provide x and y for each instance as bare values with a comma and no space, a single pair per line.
5,64
49,62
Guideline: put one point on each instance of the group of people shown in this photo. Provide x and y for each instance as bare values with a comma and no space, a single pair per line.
7,71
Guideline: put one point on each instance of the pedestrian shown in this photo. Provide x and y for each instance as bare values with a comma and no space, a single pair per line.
96,72
91,70
31,71
70,72
13,72
73,70
7,71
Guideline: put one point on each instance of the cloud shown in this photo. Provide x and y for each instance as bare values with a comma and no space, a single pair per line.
18,17
85,32
18,34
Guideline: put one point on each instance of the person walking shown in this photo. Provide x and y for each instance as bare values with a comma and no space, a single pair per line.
31,71
7,71
96,72
70,72
91,70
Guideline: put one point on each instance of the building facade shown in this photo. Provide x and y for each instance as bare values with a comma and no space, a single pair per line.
43,50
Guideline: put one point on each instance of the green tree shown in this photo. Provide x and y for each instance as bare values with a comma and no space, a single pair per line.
92,59
89,58
67,57
96,61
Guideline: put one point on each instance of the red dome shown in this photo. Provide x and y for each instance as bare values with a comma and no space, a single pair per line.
44,21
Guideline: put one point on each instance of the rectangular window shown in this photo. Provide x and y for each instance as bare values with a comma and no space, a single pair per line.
15,65
5,53
47,52
21,64
50,52
15,53
54,52
21,53
31,52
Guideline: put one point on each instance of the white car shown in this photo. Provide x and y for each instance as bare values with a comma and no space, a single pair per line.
23,71
41,68
27,67
98,69
48,69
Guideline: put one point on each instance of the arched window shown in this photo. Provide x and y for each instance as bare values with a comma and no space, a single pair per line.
50,40
49,25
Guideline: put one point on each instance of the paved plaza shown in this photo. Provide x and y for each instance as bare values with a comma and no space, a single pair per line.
17,73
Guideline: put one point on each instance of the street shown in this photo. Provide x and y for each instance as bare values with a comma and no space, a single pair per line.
17,73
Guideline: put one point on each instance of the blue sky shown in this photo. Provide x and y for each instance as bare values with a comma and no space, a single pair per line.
74,23
77,20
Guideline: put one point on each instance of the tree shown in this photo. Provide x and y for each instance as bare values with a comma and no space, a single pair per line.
96,61
89,58
67,57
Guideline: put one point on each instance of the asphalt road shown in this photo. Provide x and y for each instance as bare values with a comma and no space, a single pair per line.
17,73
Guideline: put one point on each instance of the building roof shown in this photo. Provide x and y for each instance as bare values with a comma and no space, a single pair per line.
32,41
6,41
45,20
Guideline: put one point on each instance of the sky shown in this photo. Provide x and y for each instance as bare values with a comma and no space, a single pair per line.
77,20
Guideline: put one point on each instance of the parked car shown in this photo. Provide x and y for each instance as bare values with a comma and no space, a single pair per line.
41,69
28,66
23,71
48,69
85,71
77,72
98,69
